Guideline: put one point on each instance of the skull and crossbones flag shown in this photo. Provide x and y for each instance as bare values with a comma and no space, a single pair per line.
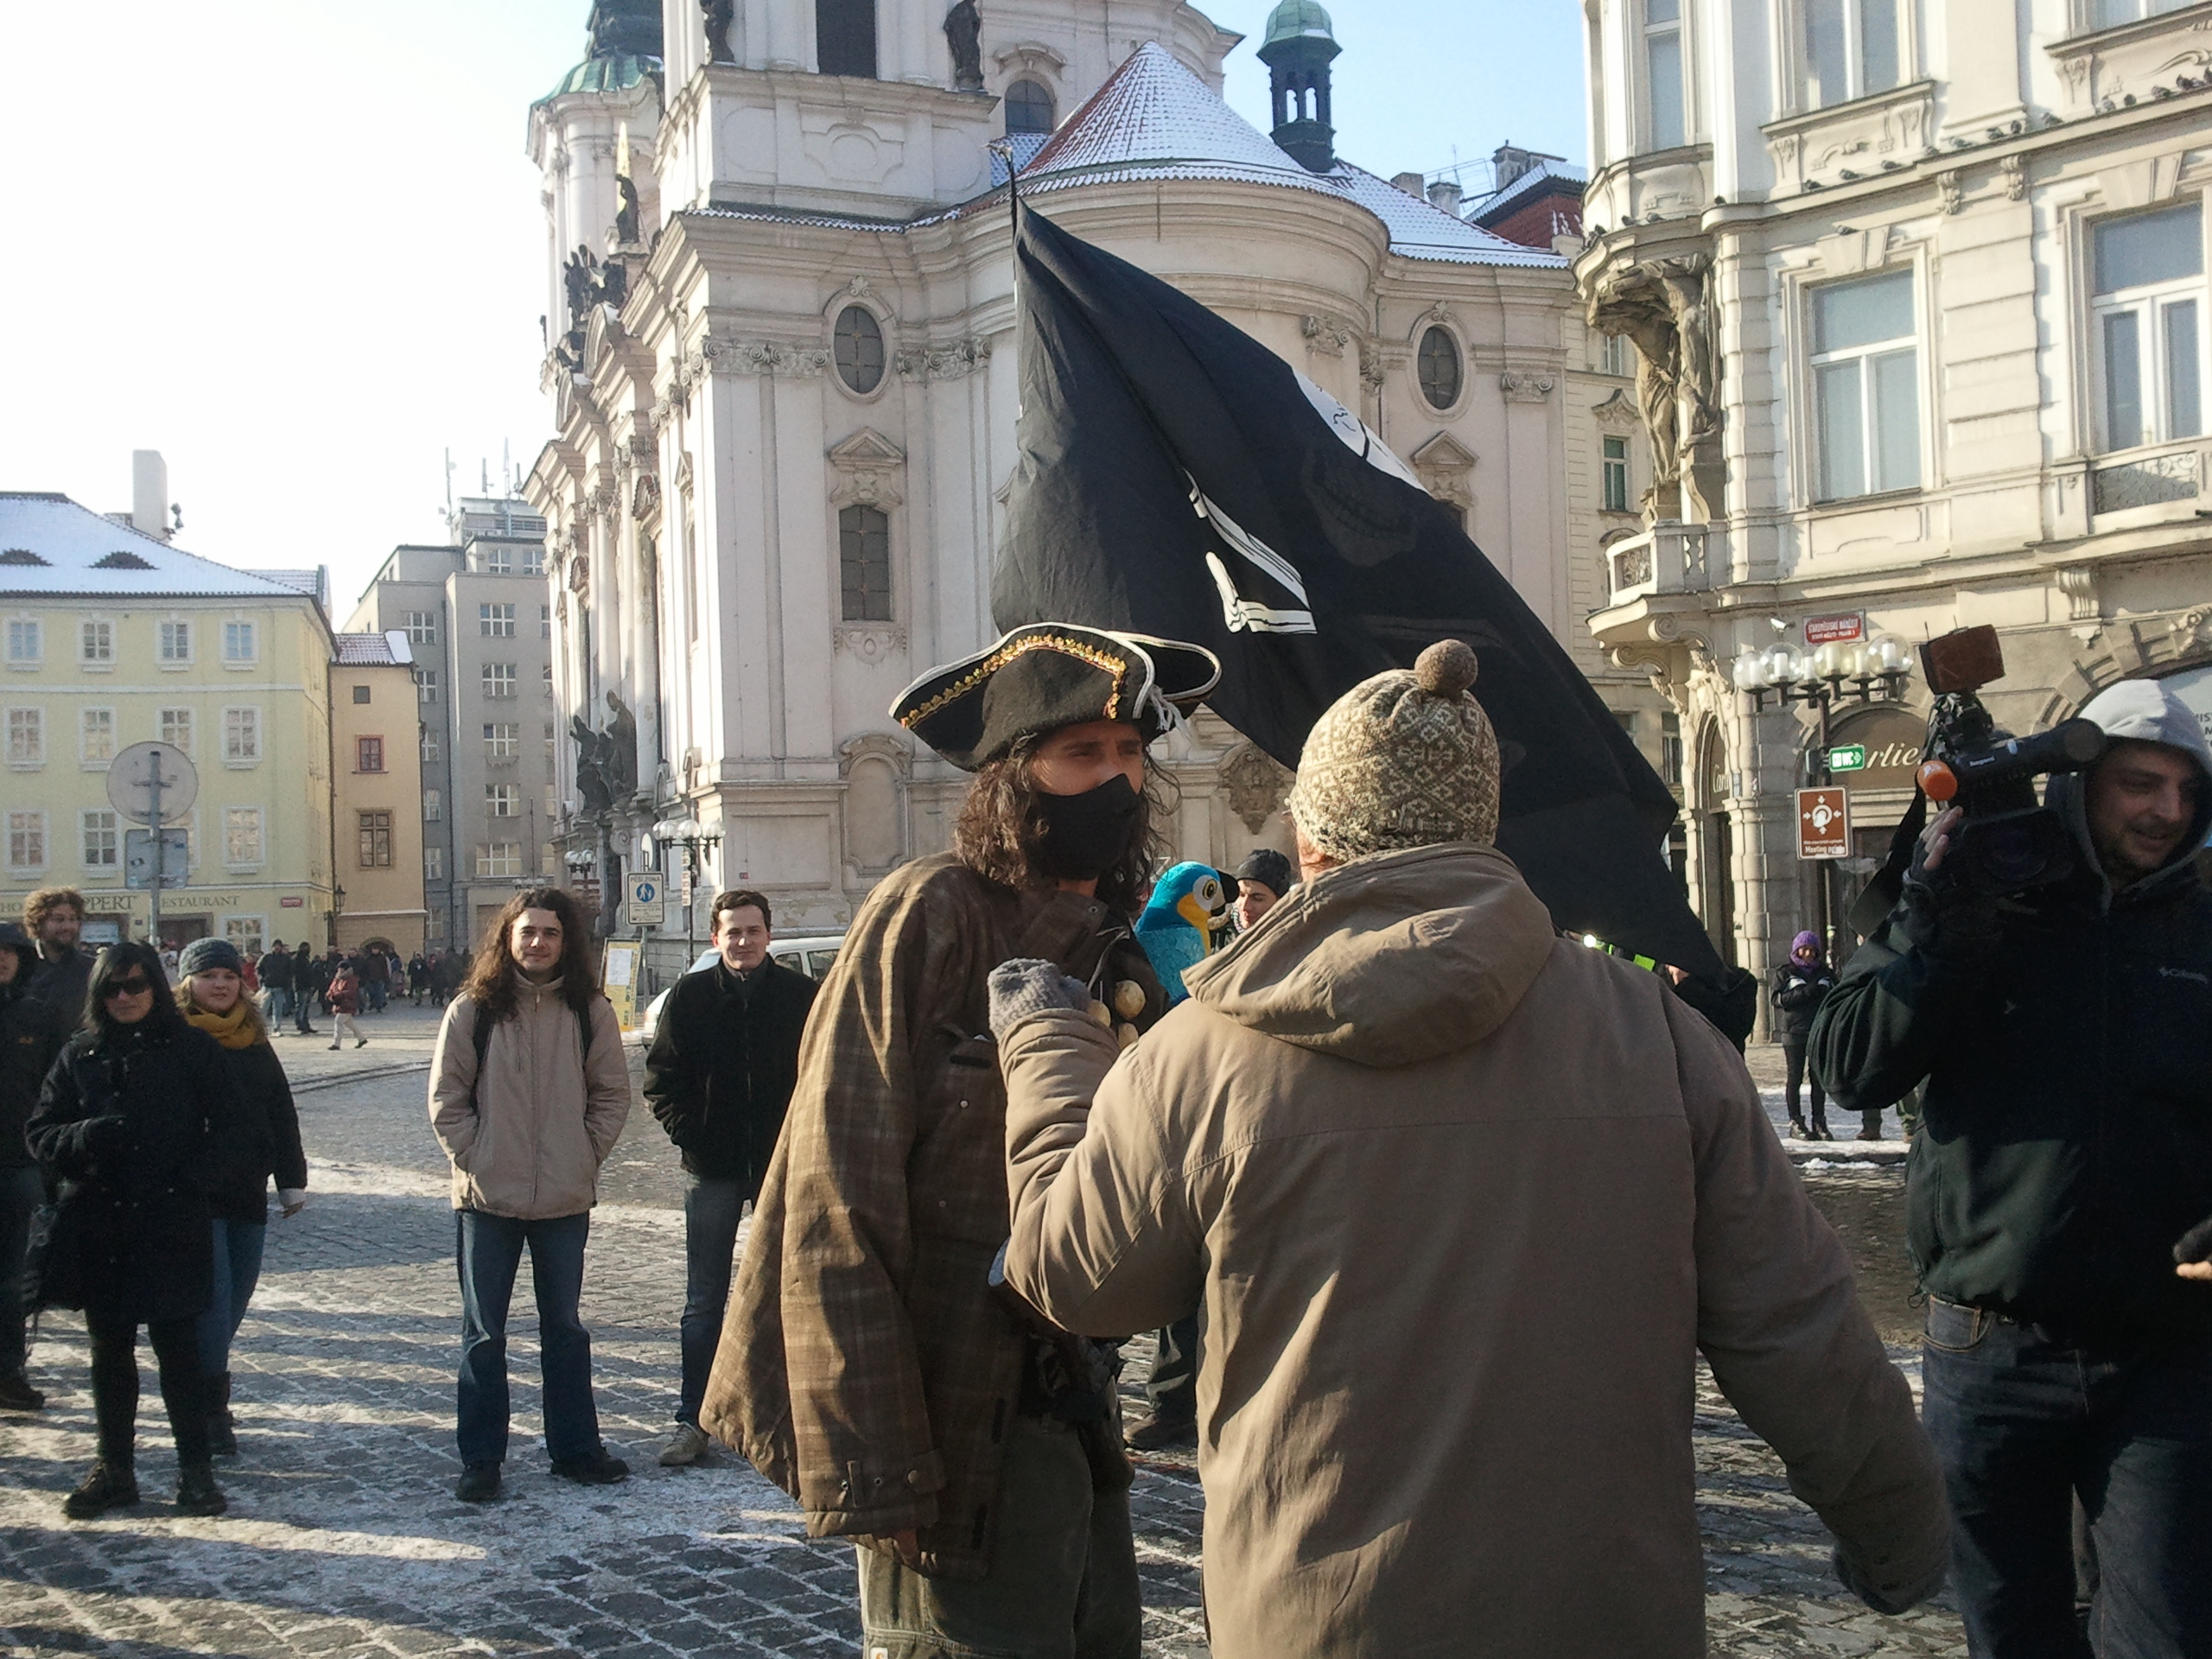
1175,477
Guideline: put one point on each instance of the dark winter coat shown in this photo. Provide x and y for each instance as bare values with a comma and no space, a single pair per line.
277,970
1796,992
722,1066
30,1033
138,1127
265,1093
61,982
2067,1131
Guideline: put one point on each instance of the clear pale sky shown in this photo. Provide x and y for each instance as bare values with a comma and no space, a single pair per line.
295,245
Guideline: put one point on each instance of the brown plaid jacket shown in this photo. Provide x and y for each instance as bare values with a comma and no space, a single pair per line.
864,1366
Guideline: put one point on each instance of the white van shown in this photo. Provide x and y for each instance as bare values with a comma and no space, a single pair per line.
803,953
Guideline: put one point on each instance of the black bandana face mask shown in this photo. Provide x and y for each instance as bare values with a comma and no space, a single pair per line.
1085,833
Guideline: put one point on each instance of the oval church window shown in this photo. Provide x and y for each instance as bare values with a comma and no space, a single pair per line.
859,349
1440,374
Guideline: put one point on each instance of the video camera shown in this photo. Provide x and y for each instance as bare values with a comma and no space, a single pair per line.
2007,842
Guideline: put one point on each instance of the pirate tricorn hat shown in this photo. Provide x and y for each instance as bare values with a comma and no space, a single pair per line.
1049,675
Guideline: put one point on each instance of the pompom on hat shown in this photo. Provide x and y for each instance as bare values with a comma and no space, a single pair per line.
1404,760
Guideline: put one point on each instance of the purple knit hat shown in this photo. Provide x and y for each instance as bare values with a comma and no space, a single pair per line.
1806,941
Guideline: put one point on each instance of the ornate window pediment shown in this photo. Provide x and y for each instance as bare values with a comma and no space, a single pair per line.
1443,465
867,470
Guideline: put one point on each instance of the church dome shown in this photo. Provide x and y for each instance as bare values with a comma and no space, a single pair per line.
1296,20
616,73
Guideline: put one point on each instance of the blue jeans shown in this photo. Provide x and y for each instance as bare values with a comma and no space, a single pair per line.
711,1212
280,1005
489,1250
238,1270
21,1192
2024,1423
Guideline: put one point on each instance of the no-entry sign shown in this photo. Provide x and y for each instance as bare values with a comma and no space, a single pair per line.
1823,823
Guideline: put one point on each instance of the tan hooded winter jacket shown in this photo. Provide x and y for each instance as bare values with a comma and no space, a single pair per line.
529,1143
1462,1202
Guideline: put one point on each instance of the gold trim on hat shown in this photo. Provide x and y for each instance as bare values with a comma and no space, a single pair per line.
1104,661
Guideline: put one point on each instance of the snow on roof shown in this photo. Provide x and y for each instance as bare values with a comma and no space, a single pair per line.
371,650
80,551
1155,120
1546,171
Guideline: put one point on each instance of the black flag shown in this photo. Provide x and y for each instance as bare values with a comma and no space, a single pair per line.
1175,477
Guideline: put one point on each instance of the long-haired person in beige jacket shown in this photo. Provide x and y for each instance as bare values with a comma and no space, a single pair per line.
528,1095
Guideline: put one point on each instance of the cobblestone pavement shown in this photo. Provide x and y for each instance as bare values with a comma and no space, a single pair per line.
343,1538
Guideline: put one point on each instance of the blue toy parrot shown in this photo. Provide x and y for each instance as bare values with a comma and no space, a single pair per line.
1188,905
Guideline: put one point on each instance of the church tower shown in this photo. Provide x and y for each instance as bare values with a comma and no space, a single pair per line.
1298,51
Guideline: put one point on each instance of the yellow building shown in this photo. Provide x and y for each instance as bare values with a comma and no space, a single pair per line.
376,754
108,637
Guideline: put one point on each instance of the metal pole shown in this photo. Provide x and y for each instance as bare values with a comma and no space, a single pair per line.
1823,780
154,891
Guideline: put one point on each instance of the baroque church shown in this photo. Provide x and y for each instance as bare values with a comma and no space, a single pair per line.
781,356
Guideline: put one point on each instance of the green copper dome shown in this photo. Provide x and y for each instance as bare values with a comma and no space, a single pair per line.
1298,20
616,73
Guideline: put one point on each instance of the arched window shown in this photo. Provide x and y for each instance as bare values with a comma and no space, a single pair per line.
864,563
859,349
1028,107
1439,368
844,37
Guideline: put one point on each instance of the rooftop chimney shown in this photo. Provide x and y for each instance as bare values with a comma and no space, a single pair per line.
149,493
1444,196
1409,182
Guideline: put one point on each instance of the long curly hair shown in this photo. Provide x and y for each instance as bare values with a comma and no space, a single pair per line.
493,982
1000,826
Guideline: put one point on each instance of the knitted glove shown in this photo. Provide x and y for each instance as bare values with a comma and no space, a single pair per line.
1946,916
1027,986
1900,1599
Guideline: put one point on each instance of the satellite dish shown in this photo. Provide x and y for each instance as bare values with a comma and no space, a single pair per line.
131,782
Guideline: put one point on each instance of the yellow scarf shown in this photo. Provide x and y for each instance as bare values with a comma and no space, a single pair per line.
232,1030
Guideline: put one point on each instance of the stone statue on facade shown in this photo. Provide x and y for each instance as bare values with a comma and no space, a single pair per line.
719,16
1663,309
626,214
579,281
593,753
622,736
963,33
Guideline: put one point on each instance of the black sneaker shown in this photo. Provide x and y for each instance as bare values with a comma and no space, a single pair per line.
108,1487
17,1395
1162,1433
597,1467
478,1483
196,1490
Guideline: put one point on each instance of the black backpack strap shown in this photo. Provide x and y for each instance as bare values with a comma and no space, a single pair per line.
481,1036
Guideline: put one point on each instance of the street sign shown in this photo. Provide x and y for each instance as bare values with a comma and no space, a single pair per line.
646,899
1847,628
1823,823
138,858
144,770
1847,756
618,979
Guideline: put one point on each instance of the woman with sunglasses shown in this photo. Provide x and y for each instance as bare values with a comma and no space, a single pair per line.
139,1120
212,996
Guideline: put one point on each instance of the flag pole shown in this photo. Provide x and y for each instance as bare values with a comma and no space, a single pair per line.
1003,149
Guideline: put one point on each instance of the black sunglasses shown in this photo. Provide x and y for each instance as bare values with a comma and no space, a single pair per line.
126,987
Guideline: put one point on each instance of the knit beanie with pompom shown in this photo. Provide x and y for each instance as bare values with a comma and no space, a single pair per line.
1403,760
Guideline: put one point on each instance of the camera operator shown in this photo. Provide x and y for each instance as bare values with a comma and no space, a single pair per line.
2064,1170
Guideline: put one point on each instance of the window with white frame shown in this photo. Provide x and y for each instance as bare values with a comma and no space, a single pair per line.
1615,355
502,739
25,642
95,643
1666,108
422,627
499,562
175,646
244,934
1865,385
552,801
241,735
549,860
1851,50
2111,14
545,680
27,737
430,744
239,645
26,841
545,621
2147,293
434,863
100,833
176,729
498,858
551,743
498,679
1613,474
533,561
96,736
241,835
426,685
496,621
433,806
502,801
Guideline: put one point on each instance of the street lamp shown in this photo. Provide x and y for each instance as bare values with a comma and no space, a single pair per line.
692,839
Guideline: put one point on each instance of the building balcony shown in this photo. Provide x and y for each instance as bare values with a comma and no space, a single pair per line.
1659,582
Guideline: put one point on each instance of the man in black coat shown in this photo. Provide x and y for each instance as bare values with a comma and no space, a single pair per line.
719,1077
30,1034
309,980
54,917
